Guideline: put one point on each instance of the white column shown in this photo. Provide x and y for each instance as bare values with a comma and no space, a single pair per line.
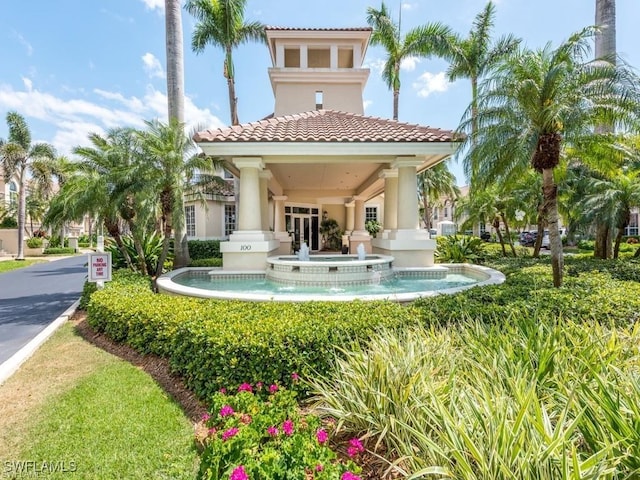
407,193
390,199
280,55
304,58
278,216
359,215
357,56
333,57
350,217
265,176
249,216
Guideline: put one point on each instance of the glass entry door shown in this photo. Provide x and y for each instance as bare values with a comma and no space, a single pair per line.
303,223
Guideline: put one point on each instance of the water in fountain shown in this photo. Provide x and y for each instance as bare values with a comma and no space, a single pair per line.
362,254
303,253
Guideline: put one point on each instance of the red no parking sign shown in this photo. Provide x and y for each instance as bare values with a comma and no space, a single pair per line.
100,267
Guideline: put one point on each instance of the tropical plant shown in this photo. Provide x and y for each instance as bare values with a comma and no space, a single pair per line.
20,158
434,183
151,244
170,163
420,41
611,200
221,23
463,249
536,101
373,227
476,55
331,234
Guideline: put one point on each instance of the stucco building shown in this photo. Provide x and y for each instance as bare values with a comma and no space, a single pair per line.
318,154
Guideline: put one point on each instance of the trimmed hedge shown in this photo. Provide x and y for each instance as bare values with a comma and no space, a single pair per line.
215,344
58,251
206,262
200,249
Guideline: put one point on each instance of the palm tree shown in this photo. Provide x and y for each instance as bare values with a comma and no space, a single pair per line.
605,50
221,23
474,56
611,201
170,164
433,184
175,97
19,158
536,102
418,42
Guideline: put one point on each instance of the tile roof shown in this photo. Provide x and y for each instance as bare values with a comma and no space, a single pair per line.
296,29
326,126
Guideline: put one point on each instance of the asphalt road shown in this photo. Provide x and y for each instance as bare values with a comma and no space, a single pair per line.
33,297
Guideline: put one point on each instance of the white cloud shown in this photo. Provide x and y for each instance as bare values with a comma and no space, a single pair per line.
154,4
409,63
23,41
152,66
408,5
28,84
375,64
73,119
429,83
366,104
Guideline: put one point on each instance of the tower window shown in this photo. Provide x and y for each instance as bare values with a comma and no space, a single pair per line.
319,100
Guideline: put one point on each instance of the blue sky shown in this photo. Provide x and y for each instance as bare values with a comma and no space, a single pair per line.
83,66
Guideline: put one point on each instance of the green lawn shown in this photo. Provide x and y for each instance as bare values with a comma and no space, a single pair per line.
8,265
104,418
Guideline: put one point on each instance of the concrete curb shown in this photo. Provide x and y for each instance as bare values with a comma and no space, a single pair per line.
11,366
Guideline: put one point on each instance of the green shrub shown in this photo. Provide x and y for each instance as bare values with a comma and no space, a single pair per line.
87,290
216,344
201,249
206,262
58,251
151,248
83,244
265,437
34,242
54,242
463,249
586,245
8,222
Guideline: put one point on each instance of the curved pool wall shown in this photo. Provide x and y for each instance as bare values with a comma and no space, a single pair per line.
329,270
484,275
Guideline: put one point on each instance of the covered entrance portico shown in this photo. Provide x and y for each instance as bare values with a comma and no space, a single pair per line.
335,162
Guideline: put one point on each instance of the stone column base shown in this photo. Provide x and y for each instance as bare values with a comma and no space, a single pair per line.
285,243
410,248
356,238
248,250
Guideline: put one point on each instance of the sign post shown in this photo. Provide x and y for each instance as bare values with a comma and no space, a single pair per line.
100,267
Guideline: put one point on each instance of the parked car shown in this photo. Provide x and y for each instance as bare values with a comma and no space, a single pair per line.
528,239
486,236
545,240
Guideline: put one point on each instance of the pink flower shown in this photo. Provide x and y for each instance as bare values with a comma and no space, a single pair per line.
287,427
273,431
319,468
226,411
239,474
223,391
245,418
273,388
322,436
295,377
206,417
245,387
349,476
259,385
229,433
355,447
212,432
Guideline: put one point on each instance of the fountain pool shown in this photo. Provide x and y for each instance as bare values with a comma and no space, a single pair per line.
402,285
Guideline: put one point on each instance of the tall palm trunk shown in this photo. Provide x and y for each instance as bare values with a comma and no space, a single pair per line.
508,233
496,225
605,48
114,230
231,85
550,195
175,98
22,209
